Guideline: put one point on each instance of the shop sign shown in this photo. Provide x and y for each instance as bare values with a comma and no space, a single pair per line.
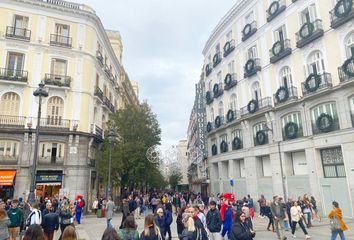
199,98
49,178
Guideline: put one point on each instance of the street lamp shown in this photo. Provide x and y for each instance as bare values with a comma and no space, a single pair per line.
40,92
111,136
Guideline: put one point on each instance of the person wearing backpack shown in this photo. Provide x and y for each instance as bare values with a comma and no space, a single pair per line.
338,226
35,217
213,221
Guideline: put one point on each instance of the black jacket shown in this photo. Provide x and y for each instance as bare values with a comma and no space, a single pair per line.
240,232
213,220
50,222
186,235
180,225
203,235
152,235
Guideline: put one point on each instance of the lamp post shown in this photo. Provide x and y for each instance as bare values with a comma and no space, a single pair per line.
40,92
111,136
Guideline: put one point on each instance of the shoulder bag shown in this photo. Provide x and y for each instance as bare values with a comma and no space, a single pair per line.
334,222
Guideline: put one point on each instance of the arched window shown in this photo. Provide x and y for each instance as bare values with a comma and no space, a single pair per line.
221,109
315,63
55,110
211,114
285,77
10,104
349,45
256,91
232,103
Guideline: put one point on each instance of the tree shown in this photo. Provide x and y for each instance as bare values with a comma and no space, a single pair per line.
138,130
174,179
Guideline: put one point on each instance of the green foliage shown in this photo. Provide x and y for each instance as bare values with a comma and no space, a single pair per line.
137,130
174,179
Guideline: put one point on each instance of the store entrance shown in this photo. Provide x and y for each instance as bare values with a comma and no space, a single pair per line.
48,183
48,191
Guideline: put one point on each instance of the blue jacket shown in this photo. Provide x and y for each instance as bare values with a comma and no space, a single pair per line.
168,217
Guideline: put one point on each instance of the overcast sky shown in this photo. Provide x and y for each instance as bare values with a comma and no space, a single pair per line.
163,42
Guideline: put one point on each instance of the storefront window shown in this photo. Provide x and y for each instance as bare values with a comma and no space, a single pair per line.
332,161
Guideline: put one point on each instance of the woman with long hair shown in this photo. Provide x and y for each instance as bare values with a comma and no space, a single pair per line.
150,231
110,234
66,218
69,233
189,232
129,229
240,229
268,213
180,225
34,232
337,213
296,218
4,224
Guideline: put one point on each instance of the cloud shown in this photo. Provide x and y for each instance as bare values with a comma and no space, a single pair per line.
163,41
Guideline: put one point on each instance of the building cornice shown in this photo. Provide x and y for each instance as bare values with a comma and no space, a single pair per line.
225,21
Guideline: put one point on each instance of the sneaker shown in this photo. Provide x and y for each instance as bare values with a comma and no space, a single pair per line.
294,236
307,237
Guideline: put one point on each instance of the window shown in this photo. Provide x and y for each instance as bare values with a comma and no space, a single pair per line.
232,103
211,114
249,18
55,110
20,22
15,62
292,117
213,141
10,104
315,63
328,108
219,77
252,52
280,34
332,161
259,127
256,91
9,148
221,109
223,138
231,67
308,14
52,151
236,133
349,45
229,36
58,67
285,77
62,30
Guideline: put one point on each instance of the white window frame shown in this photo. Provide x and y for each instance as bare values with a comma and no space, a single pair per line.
9,148
329,108
294,117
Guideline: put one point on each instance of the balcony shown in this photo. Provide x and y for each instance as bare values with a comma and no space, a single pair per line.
219,121
334,127
98,93
208,69
50,160
342,13
314,83
99,57
108,71
13,75
252,66
280,50
275,8
229,47
217,59
285,94
209,97
97,131
346,71
108,104
232,115
300,133
309,32
261,104
8,160
12,121
249,30
18,33
57,80
218,90
55,122
60,40
230,81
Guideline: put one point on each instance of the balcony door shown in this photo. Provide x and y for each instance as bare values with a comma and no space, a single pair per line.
62,33
58,68
285,76
316,63
252,52
349,44
256,91
308,15
280,34
10,104
15,64
20,25
55,111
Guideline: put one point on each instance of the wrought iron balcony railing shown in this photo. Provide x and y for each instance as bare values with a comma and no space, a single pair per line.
261,104
57,80
99,93
300,133
13,75
346,71
208,69
342,13
309,32
284,96
280,50
97,131
230,81
229,47
251,67
108,104
60,40
99,57
249,30
18,33
216,59
311,86
275,8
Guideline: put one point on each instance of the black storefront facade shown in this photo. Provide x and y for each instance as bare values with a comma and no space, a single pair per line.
48,183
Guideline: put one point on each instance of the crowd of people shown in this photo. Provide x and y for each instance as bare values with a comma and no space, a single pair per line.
196,217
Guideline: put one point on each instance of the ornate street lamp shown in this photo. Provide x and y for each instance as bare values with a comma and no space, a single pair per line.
111,137
40,92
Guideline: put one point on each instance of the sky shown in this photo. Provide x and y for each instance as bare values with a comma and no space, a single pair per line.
163,42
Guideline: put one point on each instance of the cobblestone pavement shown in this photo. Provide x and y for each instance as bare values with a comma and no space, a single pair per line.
92,228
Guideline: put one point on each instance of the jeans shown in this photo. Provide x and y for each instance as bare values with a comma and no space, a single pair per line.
109,224
279,227
261,211
336,233
308,218
293,227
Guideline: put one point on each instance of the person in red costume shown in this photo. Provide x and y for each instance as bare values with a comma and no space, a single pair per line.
227,214
78,209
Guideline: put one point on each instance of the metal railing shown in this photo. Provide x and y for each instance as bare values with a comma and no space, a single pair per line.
232,83
218,58
251,32
343,77
237,115
262,104
222,122
336,21
292,95
12,121
285,50
18,33
308,36
257,67
55,122
108,104
50,160
221,90
282,7
96,130
57,80
98,93
208,69
60,40
211,99
316,130
99,57
326,82
13,75
231,48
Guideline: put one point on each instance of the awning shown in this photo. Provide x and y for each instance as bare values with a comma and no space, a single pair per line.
48,184
7,177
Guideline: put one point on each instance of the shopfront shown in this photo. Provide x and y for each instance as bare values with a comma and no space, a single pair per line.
7,184
48,183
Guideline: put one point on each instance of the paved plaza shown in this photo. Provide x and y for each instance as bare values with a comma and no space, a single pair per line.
92,228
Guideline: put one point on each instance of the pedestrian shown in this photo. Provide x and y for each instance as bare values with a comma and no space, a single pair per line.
34,232
35,217
48,207
248,219
250,205
240,229
132,205
296,217
202,233
125,211
337,213
4,224
269,215
153,204
78,210
50,224
150,231
289,205
189,232
95,206
262,204
69,233
227,215
15,215
160,221
110,234
138,207
66,217
213,221
314,208
129,229
278,210
109,212
180,224
168,219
